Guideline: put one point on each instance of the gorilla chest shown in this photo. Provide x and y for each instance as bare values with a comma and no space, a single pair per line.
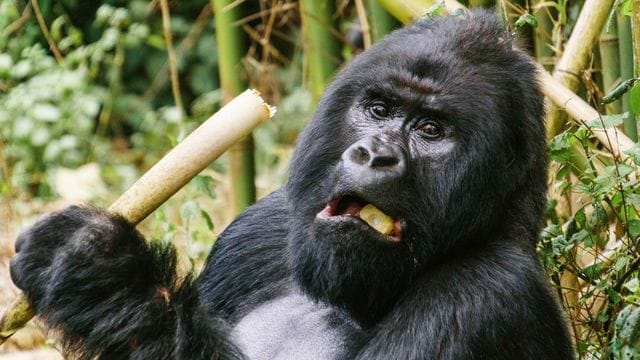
290,327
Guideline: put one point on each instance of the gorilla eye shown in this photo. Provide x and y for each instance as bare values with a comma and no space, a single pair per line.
379,109
431,130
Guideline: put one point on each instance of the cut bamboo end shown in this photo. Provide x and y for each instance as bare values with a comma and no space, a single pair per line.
205,144
18,313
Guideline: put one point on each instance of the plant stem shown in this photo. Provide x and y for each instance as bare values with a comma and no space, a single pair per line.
543,33
626,70
380,20
232,46
173,62
576,55
610,60
635,26
321,47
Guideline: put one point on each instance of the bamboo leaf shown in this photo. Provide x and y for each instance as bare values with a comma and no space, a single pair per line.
607,121
527,19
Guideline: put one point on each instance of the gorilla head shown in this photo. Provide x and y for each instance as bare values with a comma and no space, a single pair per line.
439,127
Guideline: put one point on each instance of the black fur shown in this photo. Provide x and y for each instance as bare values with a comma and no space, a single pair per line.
284,282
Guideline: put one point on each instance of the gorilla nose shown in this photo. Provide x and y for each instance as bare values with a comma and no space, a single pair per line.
375,157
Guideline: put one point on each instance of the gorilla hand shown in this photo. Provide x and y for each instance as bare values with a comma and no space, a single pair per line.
81,258
84,249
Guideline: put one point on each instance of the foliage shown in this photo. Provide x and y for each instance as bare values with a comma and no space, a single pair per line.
597,245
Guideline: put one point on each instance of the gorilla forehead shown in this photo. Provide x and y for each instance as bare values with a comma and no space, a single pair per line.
442,64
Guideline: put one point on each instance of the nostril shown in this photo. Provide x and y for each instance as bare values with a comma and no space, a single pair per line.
360,155
384,161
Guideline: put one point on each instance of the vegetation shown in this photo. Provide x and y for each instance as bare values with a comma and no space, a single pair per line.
118,83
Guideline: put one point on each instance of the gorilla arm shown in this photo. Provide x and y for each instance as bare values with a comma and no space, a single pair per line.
93,277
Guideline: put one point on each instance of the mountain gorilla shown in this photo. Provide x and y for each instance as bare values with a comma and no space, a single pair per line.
406,230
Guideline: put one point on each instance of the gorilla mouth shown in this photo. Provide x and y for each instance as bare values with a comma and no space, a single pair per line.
353,207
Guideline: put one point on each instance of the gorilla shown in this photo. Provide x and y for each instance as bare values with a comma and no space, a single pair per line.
406,229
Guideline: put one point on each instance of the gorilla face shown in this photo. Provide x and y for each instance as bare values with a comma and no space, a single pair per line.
433,133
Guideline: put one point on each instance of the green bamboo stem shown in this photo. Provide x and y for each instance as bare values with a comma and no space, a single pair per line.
610,64
380,21
576,55
625,46
635,26
232,45
543,33
321,47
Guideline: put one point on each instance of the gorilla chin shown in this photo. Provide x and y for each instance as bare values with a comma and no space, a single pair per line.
344,261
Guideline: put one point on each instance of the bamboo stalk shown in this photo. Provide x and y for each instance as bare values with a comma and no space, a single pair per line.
380,21
232,45
613,139
542,34
321,47
576,55
610,61
625,42
635,26
170,174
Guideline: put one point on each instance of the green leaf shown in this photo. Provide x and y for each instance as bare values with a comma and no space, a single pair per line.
207,219
579,236
633,285
634,153
206,185
634,99
526,19
189,210
608,121
627,8
434,10
592,272
634,227
559,147
633,200
627,333
621,170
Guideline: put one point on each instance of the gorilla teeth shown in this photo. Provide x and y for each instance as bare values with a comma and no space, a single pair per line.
358,208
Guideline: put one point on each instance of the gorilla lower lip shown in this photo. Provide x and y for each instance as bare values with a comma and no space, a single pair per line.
354,207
